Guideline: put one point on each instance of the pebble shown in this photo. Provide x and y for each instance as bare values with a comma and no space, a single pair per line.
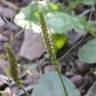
81,66
2,23
49,68
77,80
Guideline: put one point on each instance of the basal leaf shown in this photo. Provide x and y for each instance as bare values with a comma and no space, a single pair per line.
86,2
61,22
59,41
55,18
50,85
89,2
87,53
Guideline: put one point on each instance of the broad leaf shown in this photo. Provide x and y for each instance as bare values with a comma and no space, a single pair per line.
29,16
87,53
86,2
55,18
50,85
74,3
61,22
59,40
89,2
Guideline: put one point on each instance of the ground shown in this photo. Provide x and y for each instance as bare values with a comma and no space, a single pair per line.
31,54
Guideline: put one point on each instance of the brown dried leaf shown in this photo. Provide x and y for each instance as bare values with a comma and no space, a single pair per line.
32,46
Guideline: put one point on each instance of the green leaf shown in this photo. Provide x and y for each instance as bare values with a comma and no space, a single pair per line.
50,85
55,18
87,53
61,22
59,41
29,16
88,2
74,3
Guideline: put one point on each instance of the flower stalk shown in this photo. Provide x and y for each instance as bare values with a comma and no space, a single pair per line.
13,67
12,63
49,44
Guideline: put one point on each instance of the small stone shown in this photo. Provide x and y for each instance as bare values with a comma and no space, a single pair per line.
89,78
2,23
69,74
25,2
2,38
77,80
11,26
49,68
81,66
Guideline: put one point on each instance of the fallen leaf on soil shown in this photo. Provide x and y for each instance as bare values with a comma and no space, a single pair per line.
3,39
32,46
3,66
3,82
6,12
92,90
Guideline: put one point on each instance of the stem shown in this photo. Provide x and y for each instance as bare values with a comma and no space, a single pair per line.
63,85
60,77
